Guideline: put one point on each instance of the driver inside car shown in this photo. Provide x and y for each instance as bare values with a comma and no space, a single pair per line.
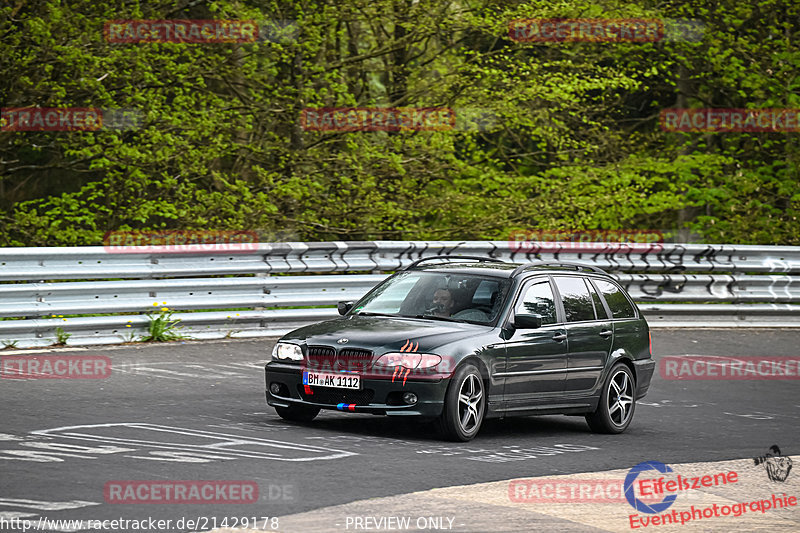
444,302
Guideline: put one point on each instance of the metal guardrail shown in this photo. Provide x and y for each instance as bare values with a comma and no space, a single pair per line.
676,285
96,262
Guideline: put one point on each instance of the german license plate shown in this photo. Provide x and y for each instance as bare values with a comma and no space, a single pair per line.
336,381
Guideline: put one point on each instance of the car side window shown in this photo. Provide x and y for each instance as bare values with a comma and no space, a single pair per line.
599,309
616,300
576,299
538,299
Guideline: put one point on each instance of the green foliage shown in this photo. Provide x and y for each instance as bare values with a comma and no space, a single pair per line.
131,336
162,328
61,337
575,141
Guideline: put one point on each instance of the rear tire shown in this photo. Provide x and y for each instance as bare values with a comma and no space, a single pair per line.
464,405
297,413
617,404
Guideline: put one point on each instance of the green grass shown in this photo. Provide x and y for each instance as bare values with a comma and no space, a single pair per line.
162,328
61,336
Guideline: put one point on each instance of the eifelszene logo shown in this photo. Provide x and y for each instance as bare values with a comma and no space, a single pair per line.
638,504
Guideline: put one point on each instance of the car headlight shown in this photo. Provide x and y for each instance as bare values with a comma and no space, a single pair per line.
287,352
409,360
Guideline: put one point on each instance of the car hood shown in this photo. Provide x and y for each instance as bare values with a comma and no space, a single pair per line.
383,334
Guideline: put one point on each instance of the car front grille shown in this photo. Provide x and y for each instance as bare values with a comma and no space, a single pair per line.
336,396
354,359
321,351
324,358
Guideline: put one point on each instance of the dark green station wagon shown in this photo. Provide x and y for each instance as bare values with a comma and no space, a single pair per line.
459,339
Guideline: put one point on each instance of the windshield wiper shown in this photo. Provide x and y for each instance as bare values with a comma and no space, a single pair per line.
369,313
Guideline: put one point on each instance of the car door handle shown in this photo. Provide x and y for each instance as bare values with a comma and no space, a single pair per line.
606,333
559,337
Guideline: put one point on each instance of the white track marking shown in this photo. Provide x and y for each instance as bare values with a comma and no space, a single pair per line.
222,444
41,505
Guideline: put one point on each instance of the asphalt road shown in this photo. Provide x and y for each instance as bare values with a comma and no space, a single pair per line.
196,411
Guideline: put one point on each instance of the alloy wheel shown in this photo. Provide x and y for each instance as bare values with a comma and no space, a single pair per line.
470,405
620,398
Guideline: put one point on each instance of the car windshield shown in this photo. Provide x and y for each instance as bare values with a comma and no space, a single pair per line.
438,296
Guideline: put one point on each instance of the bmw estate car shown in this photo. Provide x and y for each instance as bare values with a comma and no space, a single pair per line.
462,339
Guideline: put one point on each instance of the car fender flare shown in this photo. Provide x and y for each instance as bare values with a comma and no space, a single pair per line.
624,358
478,362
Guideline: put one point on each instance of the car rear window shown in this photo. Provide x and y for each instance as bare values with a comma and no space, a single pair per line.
616,300
576,299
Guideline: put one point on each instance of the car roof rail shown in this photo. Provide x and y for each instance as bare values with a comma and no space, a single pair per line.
454,258
577,266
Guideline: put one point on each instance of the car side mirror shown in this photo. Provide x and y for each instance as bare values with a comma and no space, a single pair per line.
344,307
527,321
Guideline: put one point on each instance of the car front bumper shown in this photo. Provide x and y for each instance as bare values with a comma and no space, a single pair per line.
377,396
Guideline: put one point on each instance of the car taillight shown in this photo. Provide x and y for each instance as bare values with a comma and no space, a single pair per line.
650,337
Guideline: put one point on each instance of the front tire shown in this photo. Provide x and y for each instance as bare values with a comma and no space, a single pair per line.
464,405
297,413
617,404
